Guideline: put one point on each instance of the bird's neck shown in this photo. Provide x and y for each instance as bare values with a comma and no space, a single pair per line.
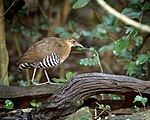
66,51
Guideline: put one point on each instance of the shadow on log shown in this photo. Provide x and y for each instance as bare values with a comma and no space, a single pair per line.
71,96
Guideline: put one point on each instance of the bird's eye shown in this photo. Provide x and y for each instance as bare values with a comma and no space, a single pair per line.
74,41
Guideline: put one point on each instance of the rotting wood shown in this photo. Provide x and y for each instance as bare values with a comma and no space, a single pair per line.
70,97
72,94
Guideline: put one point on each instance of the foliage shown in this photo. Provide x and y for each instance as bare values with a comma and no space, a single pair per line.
114,97
104,107
120,46
141,99
35,103
9,104
128,46
75,4
136,108
90,61
69,75
22,83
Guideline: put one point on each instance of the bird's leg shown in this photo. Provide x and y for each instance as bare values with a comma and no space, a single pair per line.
48,80
46,74
32,80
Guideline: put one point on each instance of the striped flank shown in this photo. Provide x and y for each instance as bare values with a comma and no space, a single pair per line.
49,61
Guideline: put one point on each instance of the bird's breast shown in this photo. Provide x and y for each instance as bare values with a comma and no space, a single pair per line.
64,54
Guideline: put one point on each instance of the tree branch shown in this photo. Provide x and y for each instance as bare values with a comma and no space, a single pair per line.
8,8
122,17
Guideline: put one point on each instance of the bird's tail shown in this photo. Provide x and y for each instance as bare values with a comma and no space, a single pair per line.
23,66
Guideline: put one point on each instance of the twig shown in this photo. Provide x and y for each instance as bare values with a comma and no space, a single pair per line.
8,8
96,117
122,17
42,11
99,62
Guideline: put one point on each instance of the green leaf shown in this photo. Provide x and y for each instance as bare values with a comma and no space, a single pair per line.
22,83
120,46
65,35
133,69
132,32
59,80
92,49
26,32
144,100
79,48
138,40
72,26
9,104
136,1
36,34
69,75
101,106
137,98
136,108
76,35
35,103
141,99
146,6
131,13
106,48
58,30
88,62
45,27
80,4
11,78
107,107
116,98
85,33
143,58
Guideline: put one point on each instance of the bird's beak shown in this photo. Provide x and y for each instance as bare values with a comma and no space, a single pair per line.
78,44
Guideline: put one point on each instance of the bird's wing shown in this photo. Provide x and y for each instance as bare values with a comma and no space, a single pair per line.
40,50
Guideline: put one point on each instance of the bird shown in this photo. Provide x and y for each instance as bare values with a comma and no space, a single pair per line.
46,53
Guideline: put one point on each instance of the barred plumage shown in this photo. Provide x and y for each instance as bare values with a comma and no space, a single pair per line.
49,61
46,53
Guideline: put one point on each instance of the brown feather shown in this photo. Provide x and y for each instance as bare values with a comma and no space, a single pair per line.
45,47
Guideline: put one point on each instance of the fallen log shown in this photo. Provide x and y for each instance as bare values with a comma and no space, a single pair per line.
71,96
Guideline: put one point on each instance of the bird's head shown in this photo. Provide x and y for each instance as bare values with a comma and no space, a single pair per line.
73,43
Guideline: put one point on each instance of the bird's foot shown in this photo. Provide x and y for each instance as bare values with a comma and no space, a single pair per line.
34,83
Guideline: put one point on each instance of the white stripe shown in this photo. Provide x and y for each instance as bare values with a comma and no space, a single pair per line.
51,61
20,68
44,62
54,59
41,65
27,64
57,59
33,65
22,65
47,60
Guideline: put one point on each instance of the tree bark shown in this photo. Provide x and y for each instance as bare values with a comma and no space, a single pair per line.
3,49
71,96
